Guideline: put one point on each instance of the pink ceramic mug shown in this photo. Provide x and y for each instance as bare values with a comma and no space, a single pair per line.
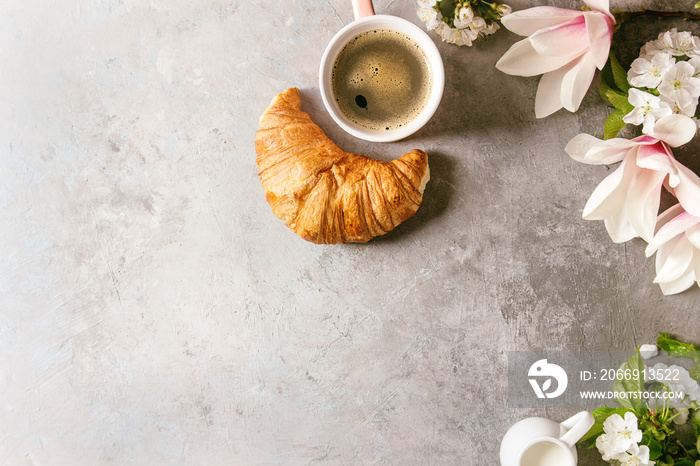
366,20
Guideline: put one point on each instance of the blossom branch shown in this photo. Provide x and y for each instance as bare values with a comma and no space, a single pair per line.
625,15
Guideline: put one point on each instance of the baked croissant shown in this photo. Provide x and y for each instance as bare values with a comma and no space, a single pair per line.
326,195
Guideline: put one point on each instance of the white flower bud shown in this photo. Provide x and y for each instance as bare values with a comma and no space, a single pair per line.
504,10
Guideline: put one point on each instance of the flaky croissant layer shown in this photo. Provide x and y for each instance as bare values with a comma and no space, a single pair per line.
327,195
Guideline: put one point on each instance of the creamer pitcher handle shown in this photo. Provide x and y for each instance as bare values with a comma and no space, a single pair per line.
577,426
362,8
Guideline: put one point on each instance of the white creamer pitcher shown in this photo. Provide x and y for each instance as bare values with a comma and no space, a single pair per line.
537,441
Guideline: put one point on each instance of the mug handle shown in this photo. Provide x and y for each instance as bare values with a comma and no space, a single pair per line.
577,426
362,8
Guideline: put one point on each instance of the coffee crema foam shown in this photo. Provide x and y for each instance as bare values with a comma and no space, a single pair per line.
381,79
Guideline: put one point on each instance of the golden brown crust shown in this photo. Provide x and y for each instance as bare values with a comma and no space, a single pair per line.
327,195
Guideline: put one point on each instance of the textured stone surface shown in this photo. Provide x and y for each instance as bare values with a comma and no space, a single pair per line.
154,311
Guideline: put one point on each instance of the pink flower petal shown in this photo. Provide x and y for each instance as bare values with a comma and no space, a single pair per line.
600,5
563,87
576,82
678,286
643,202
619,227
645,140
600,31
688,189
677,264
693,235
656,157
678,225
588,149
665,229
526,22
609,196
580,145
565,40
548,98
675,130
522,60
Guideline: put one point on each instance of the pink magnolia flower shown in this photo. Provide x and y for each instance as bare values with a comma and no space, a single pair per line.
564,46
677,247
628,199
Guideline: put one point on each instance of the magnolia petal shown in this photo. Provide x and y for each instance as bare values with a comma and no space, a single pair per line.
656,157
664,252
688,189
603,153
664,235
522,60
680,224
693,235
526,22
556,86
599,5
548,98
619,227
568,39
609,196
642,202
600,31
645,140
576,82
678,263
579,146
675,130
678,286
661,256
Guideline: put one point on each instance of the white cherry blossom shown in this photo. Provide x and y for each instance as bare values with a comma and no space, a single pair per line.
679,84
684,43
431,17
464,18
605,447
622,433
648,108
647,71
636,455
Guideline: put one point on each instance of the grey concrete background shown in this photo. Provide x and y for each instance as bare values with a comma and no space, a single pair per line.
154,311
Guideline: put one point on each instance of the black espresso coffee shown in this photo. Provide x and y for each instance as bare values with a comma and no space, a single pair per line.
381,79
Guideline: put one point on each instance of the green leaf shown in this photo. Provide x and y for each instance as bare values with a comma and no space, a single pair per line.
606,75
614,124
684,462
654,447
600,415
619,74
678,348
695,373
603,91
633,385
619,101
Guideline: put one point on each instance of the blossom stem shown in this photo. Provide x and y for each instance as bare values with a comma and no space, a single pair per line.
677,413
678,442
